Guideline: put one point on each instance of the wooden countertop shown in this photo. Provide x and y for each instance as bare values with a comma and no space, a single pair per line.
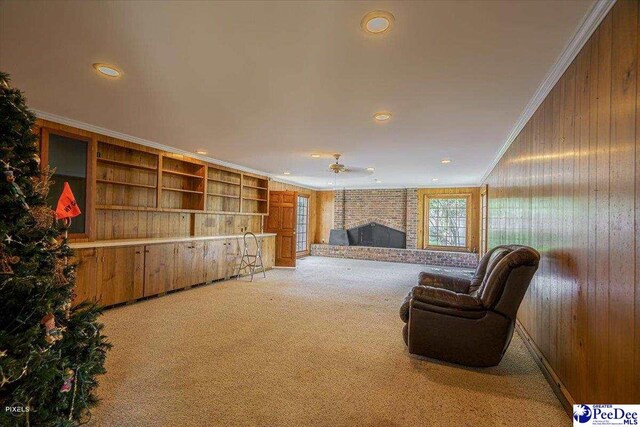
153,241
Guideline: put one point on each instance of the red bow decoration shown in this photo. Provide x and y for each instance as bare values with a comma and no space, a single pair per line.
67,205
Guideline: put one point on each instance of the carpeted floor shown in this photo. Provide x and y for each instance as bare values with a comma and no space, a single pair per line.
321,346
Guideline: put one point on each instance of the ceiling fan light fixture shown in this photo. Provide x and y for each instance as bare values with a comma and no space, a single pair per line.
377,22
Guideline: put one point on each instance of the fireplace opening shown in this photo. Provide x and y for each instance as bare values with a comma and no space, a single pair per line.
376,235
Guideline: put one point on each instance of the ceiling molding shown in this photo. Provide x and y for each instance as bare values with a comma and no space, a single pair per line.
103,131
396,187
289,182
589,24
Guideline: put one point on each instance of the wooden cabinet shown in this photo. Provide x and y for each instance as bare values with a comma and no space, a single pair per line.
268,252
120,274
214,255
159,268
86,261
231,257
189,264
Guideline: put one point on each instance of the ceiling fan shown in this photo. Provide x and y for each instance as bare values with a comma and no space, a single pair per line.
338,167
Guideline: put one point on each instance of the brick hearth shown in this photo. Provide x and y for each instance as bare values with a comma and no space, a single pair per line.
412,256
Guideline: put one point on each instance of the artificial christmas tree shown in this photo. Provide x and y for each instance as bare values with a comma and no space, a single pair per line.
50,353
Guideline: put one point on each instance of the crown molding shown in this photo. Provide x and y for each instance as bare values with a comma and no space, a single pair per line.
107,132
392,187
289,182
589,24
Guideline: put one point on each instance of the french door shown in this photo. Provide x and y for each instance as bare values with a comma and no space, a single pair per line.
302,226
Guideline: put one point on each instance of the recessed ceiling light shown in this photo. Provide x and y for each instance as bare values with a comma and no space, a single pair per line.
203,152
377,22
286,173
435,180
315,156
329,183
377,180
107,70
445,161
370,169
382,116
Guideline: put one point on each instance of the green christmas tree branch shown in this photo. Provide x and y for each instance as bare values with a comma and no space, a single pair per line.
50,353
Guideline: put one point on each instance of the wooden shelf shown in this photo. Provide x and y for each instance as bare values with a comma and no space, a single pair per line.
254,199
235,213
127,164
253,186
229,196
180,190
190,175
149,209
223,181
131,184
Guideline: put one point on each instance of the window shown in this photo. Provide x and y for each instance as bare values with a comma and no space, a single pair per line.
302,224
446,221
69,154
484,218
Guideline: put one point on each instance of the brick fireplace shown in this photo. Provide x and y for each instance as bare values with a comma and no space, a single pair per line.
396,209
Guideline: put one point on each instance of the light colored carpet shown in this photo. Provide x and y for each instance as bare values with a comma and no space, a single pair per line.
321,345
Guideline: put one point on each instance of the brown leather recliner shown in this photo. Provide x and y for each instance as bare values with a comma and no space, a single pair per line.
470,321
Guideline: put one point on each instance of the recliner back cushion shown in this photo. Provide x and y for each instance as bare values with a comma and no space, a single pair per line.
497,256
485,265
497,278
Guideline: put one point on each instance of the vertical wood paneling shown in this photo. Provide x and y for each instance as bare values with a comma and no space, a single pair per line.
568,187
622,201
636,373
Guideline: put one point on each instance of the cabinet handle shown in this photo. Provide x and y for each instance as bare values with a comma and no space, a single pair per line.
146,251
138,252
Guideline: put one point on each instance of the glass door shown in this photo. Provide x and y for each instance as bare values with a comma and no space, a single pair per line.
302,227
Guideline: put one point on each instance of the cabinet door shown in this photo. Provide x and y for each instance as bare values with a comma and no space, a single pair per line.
189,264
121,274
268,252
86,275
232,257
214,251
159,268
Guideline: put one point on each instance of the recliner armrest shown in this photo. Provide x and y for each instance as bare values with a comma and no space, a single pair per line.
446,298
442,280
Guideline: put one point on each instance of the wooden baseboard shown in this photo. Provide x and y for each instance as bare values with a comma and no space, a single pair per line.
561,392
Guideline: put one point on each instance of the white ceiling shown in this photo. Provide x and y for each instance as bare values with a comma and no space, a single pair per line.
265,84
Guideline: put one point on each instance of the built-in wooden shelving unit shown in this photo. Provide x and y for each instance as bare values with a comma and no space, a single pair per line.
255,194
223,190
182,184
132,178
126,176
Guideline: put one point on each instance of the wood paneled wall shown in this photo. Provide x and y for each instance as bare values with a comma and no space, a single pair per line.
474,211
325,215
568,187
